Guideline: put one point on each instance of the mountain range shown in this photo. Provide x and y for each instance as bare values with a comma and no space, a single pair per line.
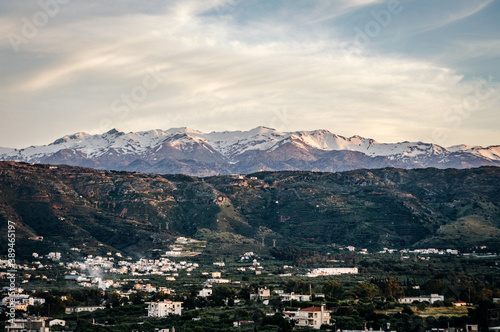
189,151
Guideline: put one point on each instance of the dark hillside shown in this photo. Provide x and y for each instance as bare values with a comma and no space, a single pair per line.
133,212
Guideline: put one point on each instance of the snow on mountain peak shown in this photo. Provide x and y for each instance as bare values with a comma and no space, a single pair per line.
490,152
460,148
232,144
184,130
261,130
76,136
114,131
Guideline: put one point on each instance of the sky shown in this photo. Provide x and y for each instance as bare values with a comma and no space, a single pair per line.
389,70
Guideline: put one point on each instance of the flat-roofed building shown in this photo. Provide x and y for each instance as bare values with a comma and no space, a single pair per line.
164,308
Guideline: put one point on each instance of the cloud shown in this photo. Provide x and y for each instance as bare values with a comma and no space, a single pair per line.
277,68
447,15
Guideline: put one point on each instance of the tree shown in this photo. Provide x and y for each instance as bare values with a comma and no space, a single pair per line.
258,314
138,297
70,301
407,310
366,291
277,320
53,305
391,289
244,293
333,289
433,286
161,295
297,286
275,303
242,314
113,299
221,293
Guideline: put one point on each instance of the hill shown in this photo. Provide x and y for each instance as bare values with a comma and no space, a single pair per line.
103,211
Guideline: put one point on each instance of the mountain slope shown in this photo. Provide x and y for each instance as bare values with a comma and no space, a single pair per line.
132,212
184,150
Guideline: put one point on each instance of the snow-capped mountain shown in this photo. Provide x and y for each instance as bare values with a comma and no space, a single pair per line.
491,152
184,150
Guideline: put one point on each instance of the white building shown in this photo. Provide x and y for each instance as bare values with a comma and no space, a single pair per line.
423,298
329,271
27,325
313,316
166,290
173,253
218,281
84,309
240,323
205,292
263,294
57,322
164,308
22,301
295,297
36,300
55,256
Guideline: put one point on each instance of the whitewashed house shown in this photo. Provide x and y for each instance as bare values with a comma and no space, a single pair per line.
263,294
27,324
164,308
331,271
423,298
57,322
313,316
205,292
70,310
295,297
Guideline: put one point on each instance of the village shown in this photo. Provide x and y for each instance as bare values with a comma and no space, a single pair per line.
126,279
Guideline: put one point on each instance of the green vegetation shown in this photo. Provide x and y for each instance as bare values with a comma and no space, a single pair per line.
368,297
291,221
100,211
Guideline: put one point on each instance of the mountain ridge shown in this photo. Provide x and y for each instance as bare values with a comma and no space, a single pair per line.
134,212
230,152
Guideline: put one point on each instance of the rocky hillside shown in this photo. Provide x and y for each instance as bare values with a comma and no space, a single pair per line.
133,212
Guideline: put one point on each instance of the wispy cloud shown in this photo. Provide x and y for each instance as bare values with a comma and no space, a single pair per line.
230,65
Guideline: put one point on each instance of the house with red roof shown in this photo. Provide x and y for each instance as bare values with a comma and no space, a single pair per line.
313,316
